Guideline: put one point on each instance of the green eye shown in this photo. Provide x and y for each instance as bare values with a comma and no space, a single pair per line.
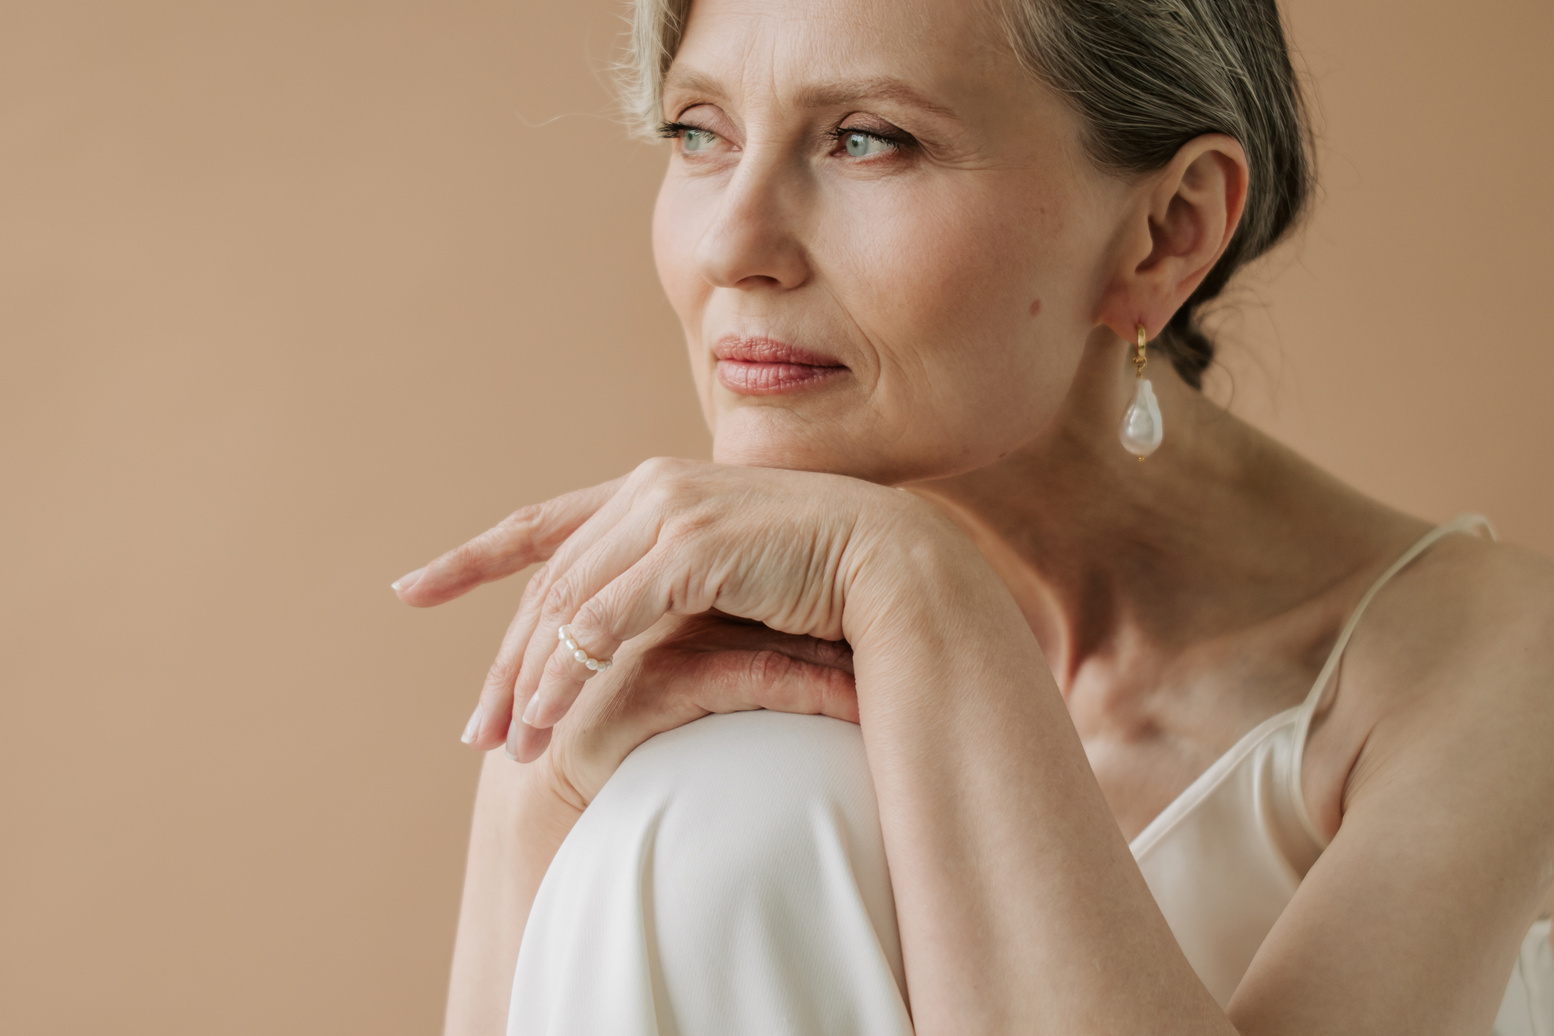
862,145
696,139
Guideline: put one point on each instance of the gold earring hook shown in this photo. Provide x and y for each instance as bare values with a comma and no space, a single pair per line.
1139,358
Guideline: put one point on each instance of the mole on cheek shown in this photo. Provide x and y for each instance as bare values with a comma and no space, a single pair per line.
1036,308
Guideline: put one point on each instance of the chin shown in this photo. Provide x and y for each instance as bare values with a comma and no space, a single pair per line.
772,437
778,452
769,437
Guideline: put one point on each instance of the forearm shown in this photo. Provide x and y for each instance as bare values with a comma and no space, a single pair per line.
1020,906
518,826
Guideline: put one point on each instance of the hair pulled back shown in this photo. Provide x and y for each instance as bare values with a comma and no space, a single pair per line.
1145,77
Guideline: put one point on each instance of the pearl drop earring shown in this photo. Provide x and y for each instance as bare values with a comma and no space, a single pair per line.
1141,429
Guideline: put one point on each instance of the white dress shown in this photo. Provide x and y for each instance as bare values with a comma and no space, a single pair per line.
730,879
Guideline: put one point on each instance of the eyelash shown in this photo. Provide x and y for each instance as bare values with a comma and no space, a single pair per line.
674,130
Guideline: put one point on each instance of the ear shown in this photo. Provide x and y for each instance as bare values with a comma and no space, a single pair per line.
1184,218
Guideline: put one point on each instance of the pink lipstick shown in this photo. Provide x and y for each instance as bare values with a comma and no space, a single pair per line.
768,367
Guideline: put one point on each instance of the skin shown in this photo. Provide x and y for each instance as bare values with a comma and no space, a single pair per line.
1109,628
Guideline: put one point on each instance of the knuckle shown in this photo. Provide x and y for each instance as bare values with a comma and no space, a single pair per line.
502,671
588,620
839,695
687,523
834,683
521,533
766,667
561,599
526,517
518,527
655,468
486,552
663,496
558,666
667,484
469,556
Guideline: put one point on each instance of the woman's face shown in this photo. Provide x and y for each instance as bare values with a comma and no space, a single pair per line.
880,233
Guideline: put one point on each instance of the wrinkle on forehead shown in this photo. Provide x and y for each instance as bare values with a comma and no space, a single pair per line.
816,53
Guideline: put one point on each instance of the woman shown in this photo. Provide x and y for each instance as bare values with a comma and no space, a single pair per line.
1209,743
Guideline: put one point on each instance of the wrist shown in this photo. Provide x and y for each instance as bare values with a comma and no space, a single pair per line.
525,810
920,578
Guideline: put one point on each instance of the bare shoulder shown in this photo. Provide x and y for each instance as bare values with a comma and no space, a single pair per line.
1474,615
1441,816
1454,674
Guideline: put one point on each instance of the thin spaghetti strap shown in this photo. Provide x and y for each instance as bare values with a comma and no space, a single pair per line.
1462,523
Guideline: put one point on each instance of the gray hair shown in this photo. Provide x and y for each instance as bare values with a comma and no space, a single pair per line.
1145,77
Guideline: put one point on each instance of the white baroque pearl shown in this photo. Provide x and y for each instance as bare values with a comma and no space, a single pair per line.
1142,428
580,655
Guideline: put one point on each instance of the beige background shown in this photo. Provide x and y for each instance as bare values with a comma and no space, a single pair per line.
294,295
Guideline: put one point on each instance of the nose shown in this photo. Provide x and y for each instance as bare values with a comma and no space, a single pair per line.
755,239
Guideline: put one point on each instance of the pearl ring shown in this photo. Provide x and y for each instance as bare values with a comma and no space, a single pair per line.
598,665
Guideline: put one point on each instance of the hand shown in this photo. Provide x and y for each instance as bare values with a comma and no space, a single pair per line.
685,668
783,548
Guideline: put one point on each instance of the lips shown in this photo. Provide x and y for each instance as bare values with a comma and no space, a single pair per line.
765,366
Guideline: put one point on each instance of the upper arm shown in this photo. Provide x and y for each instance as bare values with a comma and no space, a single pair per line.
1411,919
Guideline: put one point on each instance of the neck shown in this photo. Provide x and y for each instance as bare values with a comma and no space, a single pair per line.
1220,530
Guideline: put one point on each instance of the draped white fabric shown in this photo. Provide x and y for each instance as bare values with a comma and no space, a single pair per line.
729,880
1528,1007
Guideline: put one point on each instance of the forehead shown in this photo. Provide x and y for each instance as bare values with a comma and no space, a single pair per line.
805,51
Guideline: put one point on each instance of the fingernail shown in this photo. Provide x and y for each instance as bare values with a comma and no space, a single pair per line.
531,710
407,580
473,724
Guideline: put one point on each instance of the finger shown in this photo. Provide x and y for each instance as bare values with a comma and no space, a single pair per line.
525,743
490,724
732,681
613,712
493,715
528,535
615,700
702,633
494,706
548,602
552,677
836,654
655,485
613,716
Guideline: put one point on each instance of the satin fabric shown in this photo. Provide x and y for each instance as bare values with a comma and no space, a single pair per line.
730,879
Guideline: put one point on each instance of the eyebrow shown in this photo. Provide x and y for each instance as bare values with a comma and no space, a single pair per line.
821,95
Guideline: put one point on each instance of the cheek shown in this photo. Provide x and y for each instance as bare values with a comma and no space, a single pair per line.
675,236
960,287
